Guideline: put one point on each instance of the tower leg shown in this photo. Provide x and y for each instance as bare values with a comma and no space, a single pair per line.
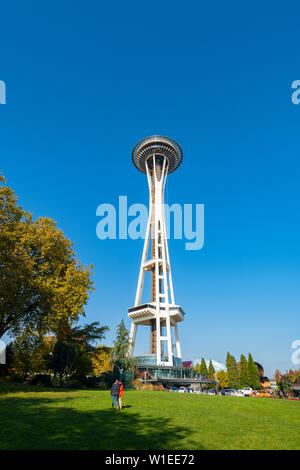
139,290
158,341
178,349
169,336
132,338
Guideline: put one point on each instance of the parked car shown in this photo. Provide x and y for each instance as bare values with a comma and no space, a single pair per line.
211,392
172,389
197,390
247,391
259,394
228,392
183,390
239,393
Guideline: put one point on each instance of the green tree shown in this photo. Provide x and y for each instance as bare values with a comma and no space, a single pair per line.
285,384
41,281
28,353
203,367
254,381
87,335
232,371
211,370
62,361
23,348
244,373
73,355
120,356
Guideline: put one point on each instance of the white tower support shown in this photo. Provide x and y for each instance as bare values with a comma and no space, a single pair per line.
156,157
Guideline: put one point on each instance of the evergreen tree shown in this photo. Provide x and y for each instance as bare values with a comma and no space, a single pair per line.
244,372
237,381
120,356
254,381
203,368
211,370
232,371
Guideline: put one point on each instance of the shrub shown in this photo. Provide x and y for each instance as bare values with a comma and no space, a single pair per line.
102,386
76,384
89,381
18,379
55,381
127,378
72,384
107,378
137,384
41,379
147,387
158,388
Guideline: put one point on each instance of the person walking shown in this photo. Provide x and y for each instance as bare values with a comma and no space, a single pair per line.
120,394
115,394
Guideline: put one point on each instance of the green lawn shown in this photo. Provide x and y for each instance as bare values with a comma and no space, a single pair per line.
38,418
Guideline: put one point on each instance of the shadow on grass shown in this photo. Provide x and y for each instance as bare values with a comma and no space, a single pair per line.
17,388
45,423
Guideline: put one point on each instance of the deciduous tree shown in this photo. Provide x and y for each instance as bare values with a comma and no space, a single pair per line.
72,356
222,379
101,359
41,280
29,350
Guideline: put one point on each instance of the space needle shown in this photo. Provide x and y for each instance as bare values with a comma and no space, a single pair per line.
156,157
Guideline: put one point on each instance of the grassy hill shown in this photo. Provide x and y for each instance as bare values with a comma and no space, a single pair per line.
38,418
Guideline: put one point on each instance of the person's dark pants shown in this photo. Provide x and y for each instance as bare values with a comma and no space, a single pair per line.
115,399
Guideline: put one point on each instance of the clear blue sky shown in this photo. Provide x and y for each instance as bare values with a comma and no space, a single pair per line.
87,80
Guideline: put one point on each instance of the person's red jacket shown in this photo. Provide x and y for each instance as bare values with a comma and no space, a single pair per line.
121,390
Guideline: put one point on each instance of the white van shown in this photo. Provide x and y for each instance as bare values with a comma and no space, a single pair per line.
246,391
